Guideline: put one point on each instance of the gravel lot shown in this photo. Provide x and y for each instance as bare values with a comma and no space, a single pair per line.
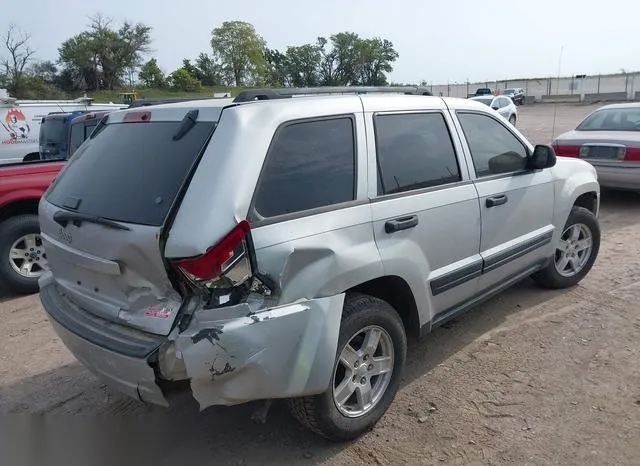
530,377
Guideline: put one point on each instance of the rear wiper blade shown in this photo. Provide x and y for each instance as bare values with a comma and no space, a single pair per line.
77,218
188,122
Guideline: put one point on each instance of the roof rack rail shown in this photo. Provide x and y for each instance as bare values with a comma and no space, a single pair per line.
288,92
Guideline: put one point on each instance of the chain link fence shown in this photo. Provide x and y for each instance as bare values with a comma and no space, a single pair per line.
604,88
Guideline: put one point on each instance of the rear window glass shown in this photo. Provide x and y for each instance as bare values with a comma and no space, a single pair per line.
486,101
614,119
52,131
130,172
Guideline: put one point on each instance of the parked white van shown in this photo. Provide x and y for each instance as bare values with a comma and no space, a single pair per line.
20,122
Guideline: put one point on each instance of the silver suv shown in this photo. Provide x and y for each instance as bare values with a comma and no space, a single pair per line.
273,247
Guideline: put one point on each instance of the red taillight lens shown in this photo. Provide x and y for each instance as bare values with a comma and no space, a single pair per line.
566,151
225,265
632,154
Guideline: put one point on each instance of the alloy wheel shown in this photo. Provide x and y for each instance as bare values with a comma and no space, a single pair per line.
363,371
27,256
574,250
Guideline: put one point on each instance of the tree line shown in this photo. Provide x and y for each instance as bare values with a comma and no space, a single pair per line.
106,57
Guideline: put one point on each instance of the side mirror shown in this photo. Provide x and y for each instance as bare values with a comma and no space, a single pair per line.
495,107
543,157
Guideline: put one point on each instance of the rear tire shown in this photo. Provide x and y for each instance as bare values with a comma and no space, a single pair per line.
560,273
11,232
323,414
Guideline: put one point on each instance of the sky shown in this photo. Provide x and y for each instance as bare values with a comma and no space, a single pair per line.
438,42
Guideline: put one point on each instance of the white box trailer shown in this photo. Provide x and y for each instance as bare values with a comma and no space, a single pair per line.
20,122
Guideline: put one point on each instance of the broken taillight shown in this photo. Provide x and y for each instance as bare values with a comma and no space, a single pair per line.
224,267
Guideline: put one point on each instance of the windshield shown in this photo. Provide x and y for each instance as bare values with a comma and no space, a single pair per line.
613,119
485,100
130,172
52,131
509,91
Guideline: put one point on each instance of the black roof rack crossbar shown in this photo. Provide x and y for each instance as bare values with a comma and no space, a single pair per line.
287,92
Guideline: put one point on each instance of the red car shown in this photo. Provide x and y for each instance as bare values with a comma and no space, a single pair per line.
22,257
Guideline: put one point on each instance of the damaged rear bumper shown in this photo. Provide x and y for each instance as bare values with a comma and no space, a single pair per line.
230,356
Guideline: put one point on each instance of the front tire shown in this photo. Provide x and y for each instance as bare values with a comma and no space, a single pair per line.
22,256
372,348
512,120
576,252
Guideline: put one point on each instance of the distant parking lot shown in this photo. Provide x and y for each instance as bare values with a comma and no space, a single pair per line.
530,377
536,121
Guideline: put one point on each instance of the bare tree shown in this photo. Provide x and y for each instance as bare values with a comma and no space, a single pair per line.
16,56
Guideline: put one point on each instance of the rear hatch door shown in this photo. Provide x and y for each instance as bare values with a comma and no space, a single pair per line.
103,217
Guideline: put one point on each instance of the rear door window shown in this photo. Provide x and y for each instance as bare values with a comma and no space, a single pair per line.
130,172
310,164
414,151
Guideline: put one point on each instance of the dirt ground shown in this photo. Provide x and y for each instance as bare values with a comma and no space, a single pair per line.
530,377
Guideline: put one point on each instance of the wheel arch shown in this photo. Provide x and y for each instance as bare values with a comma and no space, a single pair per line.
589,201
19,207
397,292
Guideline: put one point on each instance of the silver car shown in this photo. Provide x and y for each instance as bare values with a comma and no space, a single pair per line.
501,104
278,247
609,139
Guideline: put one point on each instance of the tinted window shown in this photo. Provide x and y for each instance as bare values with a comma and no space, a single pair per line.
615,119
79,133
52,131
414,151
494,149
77,137
485,100
130,172
309,165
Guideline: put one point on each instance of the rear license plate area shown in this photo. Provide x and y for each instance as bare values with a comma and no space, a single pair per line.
602,152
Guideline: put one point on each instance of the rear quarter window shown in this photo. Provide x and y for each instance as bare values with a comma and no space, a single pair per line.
310,164
130,172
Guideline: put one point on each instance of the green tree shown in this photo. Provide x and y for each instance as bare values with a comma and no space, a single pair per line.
276,71
102,56
47,70
151,75
328,59
182,80
376,57
240,51
15,57
208,70
347,59
188,66
304,63
347,50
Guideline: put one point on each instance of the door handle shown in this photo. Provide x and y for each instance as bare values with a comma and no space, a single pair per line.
403,223
496,200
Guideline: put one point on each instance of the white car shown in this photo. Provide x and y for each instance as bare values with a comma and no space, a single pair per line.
501,104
